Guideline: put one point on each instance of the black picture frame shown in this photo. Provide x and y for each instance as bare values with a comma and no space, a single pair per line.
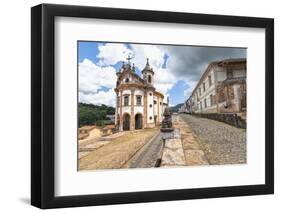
43,102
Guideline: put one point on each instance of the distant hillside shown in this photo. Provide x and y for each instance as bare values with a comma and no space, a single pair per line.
90,114
176,108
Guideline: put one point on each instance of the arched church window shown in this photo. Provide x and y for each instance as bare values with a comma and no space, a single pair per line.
127,80
149,79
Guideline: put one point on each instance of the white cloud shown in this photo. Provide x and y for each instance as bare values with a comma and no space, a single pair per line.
94,76
142,52
112,53
185,63
190,86
164,80
92,79
108,98
163,77
187,92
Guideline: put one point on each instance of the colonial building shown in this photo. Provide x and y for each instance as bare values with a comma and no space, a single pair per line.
183,108
221,88
188,105
138,104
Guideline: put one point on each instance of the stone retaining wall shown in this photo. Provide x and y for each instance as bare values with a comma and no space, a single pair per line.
229,118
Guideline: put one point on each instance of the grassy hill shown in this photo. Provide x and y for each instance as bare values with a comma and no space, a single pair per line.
176,108
90,114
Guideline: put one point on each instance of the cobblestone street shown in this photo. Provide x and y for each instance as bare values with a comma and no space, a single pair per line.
195,141
221,143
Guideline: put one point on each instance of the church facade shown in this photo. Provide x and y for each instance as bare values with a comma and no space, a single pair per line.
138,104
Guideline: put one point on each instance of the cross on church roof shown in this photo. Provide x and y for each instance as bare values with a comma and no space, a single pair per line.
129,58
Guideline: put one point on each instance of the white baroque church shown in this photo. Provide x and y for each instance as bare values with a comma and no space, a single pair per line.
138,104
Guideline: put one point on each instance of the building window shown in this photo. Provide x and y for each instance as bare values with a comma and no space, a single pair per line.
212,99
200,104
150,105
199,91
150,118
150,94
160,103
126,100
204,88
155,102
138,99
229,74
149,79
205,103
127,80
230,93
210,80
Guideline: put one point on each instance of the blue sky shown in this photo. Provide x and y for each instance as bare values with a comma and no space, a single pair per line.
87,50
177,68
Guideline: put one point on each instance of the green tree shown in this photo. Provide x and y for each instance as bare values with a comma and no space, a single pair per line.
90,114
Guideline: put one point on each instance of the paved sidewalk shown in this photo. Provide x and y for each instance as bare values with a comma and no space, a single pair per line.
182,149
194,155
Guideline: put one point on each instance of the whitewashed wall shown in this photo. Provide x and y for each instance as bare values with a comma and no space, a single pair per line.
149,109
209,90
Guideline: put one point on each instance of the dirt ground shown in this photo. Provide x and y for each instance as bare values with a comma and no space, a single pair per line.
115,154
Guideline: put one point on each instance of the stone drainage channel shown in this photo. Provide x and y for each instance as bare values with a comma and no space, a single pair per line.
165,149
148,156
171,149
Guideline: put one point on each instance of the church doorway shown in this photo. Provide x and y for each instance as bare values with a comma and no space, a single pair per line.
138,121
126,122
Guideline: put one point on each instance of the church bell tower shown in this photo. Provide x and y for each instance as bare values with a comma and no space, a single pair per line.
148,73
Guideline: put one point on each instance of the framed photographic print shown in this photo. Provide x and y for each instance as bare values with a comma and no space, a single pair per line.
139,106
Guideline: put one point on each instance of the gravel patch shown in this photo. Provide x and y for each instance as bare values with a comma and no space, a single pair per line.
221,143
